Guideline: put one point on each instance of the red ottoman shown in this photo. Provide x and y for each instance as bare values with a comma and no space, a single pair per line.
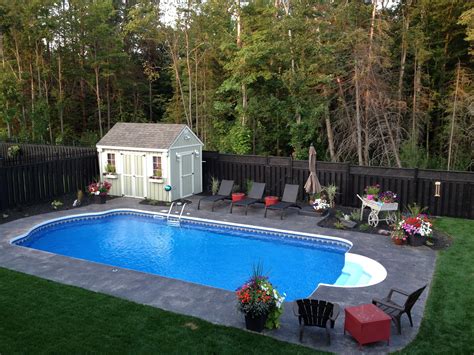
367,324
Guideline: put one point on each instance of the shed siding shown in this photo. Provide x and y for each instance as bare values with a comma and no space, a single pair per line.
157,191
181,141
175,177
116,189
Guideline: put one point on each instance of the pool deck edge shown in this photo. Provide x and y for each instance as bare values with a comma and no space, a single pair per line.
219,306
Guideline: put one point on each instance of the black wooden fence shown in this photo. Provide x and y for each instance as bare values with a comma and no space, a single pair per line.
34,153
412,185
44,172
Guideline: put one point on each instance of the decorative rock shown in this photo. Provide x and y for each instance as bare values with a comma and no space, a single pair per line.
5,215
348,224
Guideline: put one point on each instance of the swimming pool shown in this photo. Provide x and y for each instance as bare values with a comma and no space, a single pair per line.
200,251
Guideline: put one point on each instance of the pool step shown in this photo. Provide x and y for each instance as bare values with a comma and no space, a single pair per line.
173,222
352,275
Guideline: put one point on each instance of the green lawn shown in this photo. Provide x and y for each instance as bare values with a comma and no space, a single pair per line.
37,315
447,325
42,316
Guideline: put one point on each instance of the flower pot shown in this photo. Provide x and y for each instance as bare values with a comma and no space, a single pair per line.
398,241
255,323
237,196
102,199
416,240
271,200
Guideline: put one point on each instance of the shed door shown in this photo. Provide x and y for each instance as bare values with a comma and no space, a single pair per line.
186,173
133,175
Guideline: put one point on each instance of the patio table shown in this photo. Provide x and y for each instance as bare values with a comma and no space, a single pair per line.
367,324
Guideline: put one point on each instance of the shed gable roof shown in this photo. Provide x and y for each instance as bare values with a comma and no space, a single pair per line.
142,135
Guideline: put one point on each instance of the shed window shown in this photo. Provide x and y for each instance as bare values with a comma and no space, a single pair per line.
111,159
110,167
157,171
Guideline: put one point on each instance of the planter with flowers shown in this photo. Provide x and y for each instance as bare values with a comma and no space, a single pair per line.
416,228
260,302
110,172
100,189
372,192
398,236
157,176
387,197
321,206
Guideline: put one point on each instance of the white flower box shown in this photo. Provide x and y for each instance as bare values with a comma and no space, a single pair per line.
156,180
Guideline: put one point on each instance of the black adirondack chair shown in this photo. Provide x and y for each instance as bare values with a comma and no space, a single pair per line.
316,313
395,310
255,195
225,189
290,194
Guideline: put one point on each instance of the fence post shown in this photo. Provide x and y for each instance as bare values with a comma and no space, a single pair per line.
291,170
3,186
267,175
414,192
347,196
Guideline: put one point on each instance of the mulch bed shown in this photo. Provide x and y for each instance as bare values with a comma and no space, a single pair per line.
45,207
440,240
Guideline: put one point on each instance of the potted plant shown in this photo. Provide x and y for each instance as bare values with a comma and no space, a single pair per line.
398,236
372,192
214,185
157,176
13,151
260,302
320,205
56,204
388,197
110,171
100,189
417,229
330,191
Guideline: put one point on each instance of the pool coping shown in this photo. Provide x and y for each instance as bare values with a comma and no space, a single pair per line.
291,234
211,304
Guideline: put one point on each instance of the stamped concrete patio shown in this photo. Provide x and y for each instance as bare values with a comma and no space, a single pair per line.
408,268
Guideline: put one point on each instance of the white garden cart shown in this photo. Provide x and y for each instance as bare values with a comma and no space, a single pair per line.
388,209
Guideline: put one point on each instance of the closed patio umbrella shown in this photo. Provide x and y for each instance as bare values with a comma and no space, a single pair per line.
312,185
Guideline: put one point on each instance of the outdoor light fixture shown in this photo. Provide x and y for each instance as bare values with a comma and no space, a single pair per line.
437,188
196,153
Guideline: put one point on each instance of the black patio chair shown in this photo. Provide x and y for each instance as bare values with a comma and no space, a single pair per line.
225,190
290,194
395,310
316,313
255,195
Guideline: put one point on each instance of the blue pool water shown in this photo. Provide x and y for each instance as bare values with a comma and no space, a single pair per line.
202,253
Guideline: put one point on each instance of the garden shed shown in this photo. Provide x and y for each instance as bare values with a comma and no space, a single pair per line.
151,160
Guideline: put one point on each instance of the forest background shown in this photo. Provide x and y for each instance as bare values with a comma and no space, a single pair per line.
371,82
